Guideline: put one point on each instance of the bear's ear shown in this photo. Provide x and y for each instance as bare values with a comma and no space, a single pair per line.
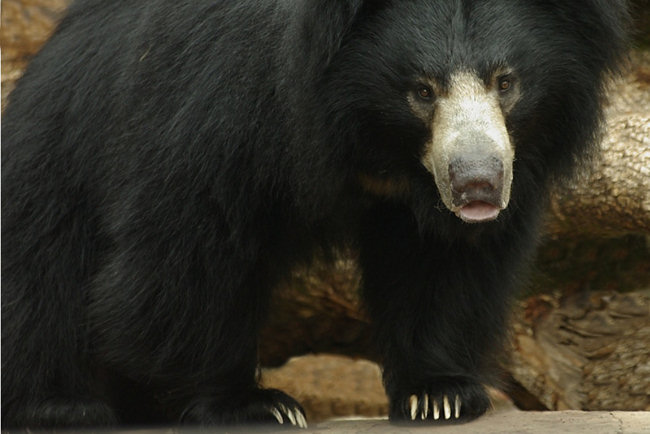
317,28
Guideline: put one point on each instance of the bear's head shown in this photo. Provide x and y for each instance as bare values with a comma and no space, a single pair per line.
469,152
483,100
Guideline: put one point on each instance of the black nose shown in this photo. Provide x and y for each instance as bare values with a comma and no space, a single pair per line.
476,178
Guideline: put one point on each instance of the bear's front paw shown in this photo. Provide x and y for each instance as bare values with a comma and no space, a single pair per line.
254,407
442,401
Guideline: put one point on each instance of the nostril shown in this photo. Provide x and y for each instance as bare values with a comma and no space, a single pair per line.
473,186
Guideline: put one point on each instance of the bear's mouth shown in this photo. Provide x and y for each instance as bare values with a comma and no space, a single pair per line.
478,211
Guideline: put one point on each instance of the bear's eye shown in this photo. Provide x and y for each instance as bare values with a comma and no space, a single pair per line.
505,83
425,92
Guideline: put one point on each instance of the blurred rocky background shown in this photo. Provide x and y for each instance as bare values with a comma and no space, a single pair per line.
581,328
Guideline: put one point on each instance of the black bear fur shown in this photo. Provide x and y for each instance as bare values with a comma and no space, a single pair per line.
165,164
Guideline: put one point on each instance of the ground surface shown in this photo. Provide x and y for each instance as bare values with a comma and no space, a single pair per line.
503,421
512,421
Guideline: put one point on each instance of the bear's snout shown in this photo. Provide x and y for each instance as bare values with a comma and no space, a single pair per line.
477,187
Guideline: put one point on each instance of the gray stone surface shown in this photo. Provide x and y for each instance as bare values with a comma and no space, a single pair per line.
501,421
511,421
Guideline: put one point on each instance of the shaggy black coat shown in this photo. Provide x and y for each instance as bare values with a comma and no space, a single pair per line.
165,163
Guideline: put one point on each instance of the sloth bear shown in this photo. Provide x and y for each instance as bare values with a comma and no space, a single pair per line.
165,164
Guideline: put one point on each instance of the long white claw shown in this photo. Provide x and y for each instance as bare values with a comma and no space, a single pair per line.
413,400
278,416
289,414
292,417
302,422
457,407
296,416
425,411
447,408
436,410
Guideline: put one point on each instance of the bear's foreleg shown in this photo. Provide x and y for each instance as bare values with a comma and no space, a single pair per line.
179,310
439,307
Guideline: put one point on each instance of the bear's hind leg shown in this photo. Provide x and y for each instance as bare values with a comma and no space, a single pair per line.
64,413
47,260
46,378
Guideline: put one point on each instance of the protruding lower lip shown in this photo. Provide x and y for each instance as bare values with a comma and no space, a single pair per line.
478,212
